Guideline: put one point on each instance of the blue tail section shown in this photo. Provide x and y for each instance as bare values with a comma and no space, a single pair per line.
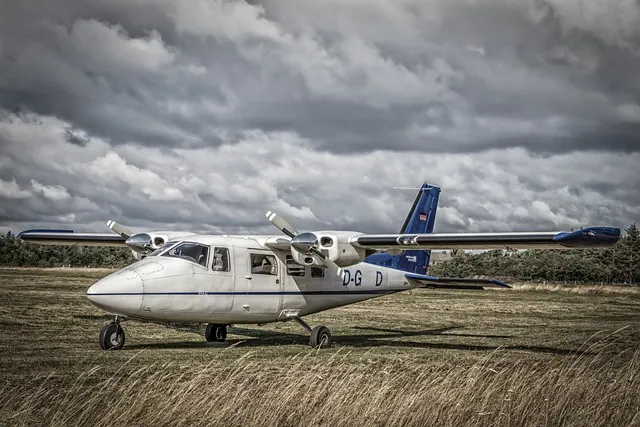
420,220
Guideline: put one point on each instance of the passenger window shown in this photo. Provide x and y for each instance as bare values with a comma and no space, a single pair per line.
264,264
220,260
317,272
293,268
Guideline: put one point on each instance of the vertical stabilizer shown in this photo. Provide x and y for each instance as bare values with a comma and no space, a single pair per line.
420,220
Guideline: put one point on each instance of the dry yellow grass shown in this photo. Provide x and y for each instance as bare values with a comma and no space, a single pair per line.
578,289
419,358
337,392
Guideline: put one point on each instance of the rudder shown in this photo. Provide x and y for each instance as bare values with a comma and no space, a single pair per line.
420,220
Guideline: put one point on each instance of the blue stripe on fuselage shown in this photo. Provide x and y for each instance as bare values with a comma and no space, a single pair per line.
364,292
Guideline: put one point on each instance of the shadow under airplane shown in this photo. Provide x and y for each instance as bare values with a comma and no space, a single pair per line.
380,337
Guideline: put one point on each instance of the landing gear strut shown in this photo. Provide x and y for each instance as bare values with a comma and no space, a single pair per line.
216,333
320,335
112,336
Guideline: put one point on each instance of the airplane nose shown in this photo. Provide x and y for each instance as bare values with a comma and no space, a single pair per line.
119,293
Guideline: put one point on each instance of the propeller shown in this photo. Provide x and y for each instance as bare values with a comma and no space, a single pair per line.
282,224
305,243
140,242
119,229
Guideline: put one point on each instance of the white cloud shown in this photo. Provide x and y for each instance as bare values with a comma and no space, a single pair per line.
56,193
11,190
614,22
103,47
351,70
541,210
112,167
68,218
224,20
205,114
630,112
234,185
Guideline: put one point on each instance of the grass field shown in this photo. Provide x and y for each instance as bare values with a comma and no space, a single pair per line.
517,357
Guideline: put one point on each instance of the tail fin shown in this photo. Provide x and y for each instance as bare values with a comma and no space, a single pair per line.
420,220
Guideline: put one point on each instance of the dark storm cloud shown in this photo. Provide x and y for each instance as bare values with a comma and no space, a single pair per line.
204,114
195,85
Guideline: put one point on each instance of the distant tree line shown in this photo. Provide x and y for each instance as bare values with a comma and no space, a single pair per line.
15,252
618,264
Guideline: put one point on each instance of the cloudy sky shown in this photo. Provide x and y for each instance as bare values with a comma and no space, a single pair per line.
204,114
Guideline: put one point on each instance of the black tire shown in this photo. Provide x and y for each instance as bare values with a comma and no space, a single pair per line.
320,337
112,337
215,333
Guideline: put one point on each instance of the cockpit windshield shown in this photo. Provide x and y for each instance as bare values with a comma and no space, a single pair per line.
194,252
163,248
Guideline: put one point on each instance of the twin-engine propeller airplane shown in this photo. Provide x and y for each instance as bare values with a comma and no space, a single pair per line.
223,280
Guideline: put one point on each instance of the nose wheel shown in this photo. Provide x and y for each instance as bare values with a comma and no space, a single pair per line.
215,333
112,336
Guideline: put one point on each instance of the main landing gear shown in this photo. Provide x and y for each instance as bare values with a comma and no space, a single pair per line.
320,335
216,333
112,336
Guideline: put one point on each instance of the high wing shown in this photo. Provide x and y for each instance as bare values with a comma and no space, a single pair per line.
590,237
408,251
426,281
69,237
140,243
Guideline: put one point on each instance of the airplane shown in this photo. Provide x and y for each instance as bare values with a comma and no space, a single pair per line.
223,280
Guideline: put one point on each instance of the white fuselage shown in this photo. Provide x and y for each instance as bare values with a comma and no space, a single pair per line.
166,288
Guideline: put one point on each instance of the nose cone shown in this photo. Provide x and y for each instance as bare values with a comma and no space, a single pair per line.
119,293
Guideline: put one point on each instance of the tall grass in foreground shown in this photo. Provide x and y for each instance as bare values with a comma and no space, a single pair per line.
309,391
582,289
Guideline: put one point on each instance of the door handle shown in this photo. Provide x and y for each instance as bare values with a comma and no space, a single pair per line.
247,277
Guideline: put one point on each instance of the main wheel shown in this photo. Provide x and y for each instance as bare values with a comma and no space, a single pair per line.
320,337
216,333
111,337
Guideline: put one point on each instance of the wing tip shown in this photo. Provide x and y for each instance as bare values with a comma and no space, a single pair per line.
25,233
589,237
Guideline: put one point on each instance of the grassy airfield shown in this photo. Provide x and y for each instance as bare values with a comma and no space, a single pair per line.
526,356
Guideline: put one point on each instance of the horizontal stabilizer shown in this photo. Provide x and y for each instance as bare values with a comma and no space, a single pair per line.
69,237
454,282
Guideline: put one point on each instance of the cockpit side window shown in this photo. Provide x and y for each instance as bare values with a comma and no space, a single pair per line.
220,260
163,248
264,264
194,252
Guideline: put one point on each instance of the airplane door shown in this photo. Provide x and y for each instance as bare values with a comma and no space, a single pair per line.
264,282
241,298
221,279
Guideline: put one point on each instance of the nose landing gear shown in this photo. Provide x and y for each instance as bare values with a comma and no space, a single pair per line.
112,336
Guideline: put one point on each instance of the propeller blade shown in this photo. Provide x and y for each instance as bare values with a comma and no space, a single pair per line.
119,229
290,231
282,224
328,262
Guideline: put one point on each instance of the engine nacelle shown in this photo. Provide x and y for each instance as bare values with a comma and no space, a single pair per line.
144,243
305,259
336,246
332,244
